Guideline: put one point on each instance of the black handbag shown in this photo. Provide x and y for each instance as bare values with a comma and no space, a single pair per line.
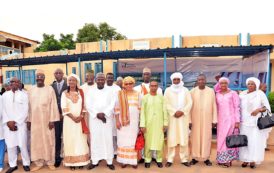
266,120
235,141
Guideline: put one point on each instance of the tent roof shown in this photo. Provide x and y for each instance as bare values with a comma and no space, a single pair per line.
152,53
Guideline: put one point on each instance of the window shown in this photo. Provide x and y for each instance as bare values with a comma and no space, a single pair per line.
74,70
98,67
88,67
28,76
13,73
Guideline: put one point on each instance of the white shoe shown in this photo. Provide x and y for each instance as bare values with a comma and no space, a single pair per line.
1,169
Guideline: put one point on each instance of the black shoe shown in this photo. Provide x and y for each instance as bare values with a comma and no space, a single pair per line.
72,168
208,163
141,161
252,165
187,164
115,156
26,168
193,162
11,169
111,167
147,165
168,164
159,164
80,167
244,164
57,163
91,166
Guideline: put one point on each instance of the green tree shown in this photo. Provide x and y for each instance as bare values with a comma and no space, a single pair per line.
90,32
49,43
67,41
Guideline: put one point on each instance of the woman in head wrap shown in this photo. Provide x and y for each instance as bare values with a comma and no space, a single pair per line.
127,112
253,102
76,150
228,107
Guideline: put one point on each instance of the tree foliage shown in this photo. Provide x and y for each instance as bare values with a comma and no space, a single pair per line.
88,33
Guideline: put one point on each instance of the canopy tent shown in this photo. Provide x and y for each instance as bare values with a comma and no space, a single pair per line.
206,59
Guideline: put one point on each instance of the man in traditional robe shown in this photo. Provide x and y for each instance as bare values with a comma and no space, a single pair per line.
115,88
178,103
100,104
15,113
143,88
203,118
119,82
59,85
153,123
89,82
43,112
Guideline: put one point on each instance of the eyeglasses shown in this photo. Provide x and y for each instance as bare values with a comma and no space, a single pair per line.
128,84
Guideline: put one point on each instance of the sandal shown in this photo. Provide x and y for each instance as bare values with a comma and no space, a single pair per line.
244,164
123,165
226,165
252,165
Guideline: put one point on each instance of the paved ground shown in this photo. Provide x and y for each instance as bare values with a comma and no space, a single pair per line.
266,167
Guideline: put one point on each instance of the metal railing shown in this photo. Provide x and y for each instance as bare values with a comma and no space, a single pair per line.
7,50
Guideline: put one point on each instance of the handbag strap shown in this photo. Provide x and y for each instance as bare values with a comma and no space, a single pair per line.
268,113
234,130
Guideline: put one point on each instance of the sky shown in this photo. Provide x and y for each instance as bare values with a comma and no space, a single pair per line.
138,18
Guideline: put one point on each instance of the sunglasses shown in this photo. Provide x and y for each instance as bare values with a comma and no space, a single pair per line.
128,84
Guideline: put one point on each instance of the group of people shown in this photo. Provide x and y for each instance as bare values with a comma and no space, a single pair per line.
101,120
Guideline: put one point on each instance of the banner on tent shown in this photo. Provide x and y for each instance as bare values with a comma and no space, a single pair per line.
237,69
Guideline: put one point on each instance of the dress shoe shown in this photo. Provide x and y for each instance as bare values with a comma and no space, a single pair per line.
26,168
194,162
91,166
159,164
208,163
11,169
51,167
141,161
187,164
36,168
147,165
168,164
111,167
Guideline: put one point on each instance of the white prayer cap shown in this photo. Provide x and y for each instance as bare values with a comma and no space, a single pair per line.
224,79
74,76
119,78
176,75
146,70
255,80
100,75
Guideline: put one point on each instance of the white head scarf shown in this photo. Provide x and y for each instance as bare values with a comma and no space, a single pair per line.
224,79
76,77
255,80
177,87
